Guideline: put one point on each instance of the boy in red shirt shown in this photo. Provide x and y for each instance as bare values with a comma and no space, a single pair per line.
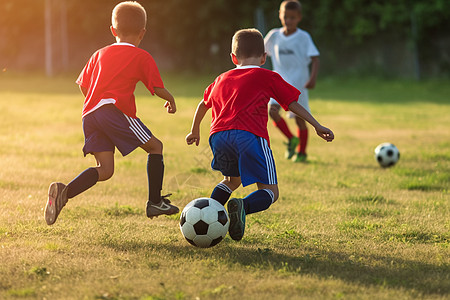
238,136
109,117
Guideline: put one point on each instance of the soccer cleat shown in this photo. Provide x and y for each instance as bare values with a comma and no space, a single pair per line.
162,208
291,145
57,198
236,212
300,157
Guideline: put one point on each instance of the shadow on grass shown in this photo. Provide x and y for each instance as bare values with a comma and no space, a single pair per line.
387,271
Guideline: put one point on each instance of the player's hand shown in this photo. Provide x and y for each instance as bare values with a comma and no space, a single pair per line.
325,133
193,138
171,107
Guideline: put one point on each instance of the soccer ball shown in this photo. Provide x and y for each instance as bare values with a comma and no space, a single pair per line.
387,154
204,222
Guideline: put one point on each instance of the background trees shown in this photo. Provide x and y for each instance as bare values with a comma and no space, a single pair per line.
389,38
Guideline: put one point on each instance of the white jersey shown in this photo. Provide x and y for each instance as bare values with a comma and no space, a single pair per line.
291,55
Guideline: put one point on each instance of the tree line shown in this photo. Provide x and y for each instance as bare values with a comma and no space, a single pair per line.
196,34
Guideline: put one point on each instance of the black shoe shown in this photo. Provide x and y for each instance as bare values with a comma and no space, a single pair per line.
236,212
162,208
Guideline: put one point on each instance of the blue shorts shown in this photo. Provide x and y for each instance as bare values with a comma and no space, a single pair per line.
241,153
107,127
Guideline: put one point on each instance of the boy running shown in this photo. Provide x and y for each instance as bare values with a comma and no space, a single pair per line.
238,136
292,50
109,117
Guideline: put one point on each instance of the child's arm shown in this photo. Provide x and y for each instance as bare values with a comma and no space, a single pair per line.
194,135
323,132
315,63
170,101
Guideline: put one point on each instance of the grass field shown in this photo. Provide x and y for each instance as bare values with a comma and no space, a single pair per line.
343,227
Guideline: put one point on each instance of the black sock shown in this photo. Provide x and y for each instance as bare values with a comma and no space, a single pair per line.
82,182
221,193
155,174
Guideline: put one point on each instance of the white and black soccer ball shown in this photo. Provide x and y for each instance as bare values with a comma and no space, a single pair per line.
204,222
387,154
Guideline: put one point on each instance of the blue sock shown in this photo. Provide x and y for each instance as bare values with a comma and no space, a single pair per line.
221,193
258,201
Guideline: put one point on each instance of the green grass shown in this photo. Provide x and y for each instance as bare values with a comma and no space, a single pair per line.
343,228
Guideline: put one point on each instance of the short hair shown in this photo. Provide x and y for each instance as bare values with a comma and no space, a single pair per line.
291,5
247,43
129,18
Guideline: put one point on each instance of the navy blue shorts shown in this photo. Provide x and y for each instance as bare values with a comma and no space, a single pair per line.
108,127
241,153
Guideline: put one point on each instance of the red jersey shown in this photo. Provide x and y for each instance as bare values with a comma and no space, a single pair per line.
112,73
239,98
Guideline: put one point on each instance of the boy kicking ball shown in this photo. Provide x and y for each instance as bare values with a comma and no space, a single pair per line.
109,116
238,135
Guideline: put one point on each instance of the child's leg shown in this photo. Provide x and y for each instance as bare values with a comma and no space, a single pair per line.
105,165
236,210
302,135
255,202
261,199
281,124
156,204
223,190
278,121
155,168
89,177
59,194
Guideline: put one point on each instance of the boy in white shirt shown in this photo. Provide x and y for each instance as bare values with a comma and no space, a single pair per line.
292,50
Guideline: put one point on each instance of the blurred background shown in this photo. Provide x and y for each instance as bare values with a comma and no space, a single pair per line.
384,38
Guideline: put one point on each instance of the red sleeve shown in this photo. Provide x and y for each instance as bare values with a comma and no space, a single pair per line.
206,98
151,76
84,79
284,93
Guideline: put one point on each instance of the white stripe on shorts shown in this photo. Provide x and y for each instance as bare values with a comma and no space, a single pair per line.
141,130
269,161
140,133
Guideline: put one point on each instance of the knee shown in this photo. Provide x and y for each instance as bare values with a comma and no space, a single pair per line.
233,185
159,145
232,182
156,146
105,173
153,146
